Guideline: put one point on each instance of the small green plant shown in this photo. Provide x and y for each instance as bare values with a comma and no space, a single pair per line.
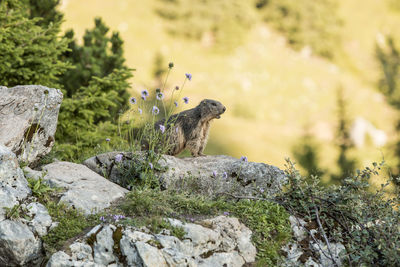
40,189
71,223
16,212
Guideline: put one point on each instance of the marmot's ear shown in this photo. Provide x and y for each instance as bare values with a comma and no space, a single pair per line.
203,109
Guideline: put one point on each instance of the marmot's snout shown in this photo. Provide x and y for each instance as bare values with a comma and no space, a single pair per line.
212,108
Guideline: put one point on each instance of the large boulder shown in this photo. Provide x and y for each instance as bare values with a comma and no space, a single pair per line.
212,174
13,185
84,189
28,120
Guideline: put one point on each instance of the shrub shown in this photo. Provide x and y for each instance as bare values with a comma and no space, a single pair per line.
364,221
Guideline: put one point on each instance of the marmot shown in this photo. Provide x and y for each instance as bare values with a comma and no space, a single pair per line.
189,129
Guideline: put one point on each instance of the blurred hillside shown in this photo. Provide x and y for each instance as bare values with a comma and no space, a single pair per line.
274,91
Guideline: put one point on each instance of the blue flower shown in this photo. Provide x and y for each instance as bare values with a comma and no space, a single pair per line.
214,173
226,213
162,128
151,165
176,129
160,96
102,219
262,190
132,100
188,76
225,175
176,103
108,139
155,110
145,93
140,110
243,158
118,157
186,99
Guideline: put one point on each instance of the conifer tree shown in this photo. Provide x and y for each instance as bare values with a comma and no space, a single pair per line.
29,52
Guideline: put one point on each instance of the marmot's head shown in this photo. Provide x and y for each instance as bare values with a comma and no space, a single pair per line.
211,109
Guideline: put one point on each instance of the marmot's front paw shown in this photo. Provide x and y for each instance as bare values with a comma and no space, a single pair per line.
201,154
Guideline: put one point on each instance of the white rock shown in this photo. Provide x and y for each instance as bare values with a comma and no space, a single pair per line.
81,251
13,185
28,120
203,239
18,245
234,235
297,225
41,219
103,246
86,190
228,259
149,255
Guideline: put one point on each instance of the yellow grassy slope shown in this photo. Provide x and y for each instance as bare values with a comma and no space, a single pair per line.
271,92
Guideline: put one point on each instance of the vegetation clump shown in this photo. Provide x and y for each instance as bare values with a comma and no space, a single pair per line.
364,220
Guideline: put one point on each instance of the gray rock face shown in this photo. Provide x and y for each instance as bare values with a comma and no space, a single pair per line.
28,120
85,189
213,174
13,185
221,241
18,245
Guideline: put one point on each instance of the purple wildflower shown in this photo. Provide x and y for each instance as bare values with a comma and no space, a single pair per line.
102,219
132,100
262,190
225,175
151,165
176,129
160,96
145,93
162,128
177,88
191,219
155,110
243,158
118,158
214,173
140,111
226,213
108,139
176,103
186,99
143,98
188,76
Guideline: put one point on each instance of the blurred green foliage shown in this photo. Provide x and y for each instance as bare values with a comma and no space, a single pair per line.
313,23
29,49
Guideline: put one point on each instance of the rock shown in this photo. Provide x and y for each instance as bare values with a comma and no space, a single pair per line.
103,246
62,259
18,245
41,219
149,256
202,239
213,174
13,185
235,235
28,120
326,255
81,251
223,245
231,259
85,189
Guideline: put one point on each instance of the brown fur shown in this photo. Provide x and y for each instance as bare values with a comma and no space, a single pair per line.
189,129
